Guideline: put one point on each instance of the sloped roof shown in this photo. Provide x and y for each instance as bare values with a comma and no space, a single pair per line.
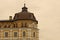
24,15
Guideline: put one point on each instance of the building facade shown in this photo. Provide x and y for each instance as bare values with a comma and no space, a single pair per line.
22,27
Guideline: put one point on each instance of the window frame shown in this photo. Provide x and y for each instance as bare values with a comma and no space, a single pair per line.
5,34
34,34
15,34
24,33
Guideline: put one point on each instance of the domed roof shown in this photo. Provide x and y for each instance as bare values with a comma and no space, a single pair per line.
24,15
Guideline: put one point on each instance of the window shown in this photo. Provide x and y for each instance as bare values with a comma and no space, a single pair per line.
14,25
34,34
15,34
23,24
5,26
6,34
24,34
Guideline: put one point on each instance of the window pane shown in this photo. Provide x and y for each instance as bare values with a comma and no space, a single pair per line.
6,34
34,34
15,34
23,33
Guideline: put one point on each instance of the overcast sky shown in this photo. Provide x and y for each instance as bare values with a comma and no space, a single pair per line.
47,13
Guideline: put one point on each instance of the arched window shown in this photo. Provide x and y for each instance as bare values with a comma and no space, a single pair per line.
33,34
24,34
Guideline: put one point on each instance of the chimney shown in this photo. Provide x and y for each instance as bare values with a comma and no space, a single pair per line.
10,17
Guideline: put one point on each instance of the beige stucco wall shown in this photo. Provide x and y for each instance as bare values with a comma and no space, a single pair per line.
29,30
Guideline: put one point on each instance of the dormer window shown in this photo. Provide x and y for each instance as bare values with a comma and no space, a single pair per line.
23,24
15,25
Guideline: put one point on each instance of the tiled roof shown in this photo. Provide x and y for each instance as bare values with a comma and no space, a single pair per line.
24,15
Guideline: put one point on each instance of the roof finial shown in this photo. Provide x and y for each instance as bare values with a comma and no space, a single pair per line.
24,8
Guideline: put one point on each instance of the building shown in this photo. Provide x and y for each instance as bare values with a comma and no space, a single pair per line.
22,27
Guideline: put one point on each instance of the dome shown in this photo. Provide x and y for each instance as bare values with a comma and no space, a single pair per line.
24,15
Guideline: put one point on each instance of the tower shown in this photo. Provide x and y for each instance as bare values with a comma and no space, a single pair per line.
22,27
